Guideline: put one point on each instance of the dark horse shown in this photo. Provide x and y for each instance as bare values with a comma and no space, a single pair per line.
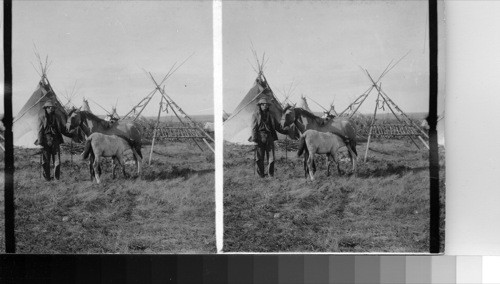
341,126
90,123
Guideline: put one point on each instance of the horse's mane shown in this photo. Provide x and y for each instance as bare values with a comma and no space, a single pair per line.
309,115
91,116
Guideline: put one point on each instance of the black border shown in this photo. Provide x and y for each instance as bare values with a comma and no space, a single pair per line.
162,268
10,241
434,239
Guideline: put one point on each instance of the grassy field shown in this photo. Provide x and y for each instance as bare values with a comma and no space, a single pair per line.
171,209
384,209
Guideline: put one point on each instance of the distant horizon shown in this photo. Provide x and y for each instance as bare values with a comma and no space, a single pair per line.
104,50
321,49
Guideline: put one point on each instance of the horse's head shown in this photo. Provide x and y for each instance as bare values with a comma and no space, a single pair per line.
74,119
288,116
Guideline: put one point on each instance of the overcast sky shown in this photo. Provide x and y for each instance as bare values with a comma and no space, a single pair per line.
104,47
319,45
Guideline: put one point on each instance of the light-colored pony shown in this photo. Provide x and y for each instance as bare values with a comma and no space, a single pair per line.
342,126
90,123
113,146
314,142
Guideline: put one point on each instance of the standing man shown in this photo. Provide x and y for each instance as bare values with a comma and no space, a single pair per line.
264,127
49,137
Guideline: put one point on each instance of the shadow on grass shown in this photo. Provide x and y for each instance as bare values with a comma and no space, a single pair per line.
388,170
173,173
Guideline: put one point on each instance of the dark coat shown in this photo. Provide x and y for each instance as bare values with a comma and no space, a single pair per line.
57,126
272,126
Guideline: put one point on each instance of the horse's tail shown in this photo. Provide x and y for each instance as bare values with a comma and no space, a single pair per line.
352,145
138,149
302,145
88,148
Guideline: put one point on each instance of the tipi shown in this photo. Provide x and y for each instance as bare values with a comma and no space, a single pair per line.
303,104
237,128
85,105
26,121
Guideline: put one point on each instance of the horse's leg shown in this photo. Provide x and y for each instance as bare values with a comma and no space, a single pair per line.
328,162
114,163
138,161
354,161
122,162
96,171
91,166
310,162
335,158
306,169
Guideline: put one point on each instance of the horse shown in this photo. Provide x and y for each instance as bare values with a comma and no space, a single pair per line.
341,126
102,145
90,123
314,142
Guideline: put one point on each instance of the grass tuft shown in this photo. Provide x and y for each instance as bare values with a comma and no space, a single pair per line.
170,209
385,208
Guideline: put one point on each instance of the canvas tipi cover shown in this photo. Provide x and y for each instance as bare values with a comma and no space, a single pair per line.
85,106
303,104
26,122
237,128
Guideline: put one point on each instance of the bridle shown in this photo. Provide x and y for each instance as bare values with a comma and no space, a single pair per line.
290,116
76,117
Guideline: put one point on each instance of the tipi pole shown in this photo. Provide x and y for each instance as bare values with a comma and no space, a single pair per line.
139,104
391,104
145,104
154,132
21,115
362,101
254,98
210,147
423,142
396,106
390,108
171,102
180,120
371,128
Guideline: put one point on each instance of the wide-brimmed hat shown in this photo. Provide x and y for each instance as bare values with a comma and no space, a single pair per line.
263,101
48,104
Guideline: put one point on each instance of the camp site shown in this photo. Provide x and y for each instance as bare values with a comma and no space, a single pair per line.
109,72
341,62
